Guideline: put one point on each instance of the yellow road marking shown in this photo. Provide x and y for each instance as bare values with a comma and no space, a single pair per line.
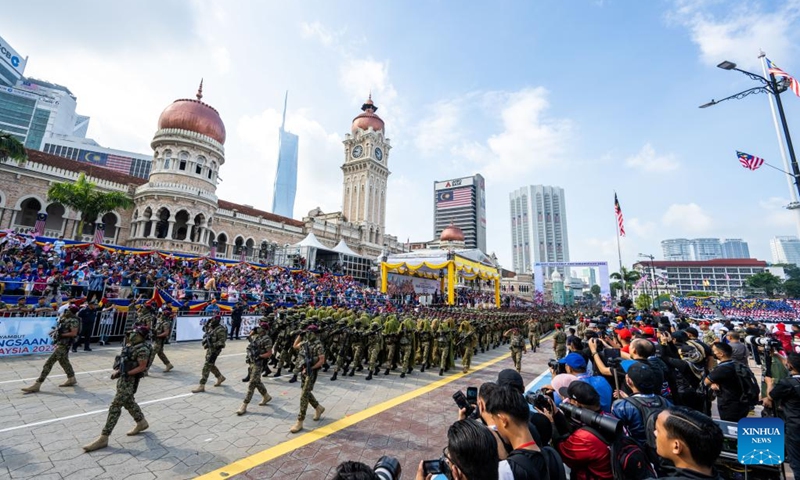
271,453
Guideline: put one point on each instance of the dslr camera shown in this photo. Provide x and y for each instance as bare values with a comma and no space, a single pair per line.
387,468
436,467
607,426
556,367
539,399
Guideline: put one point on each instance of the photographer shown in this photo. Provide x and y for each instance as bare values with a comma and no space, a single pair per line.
786,394
726,383
690,442
636,410
575,364
470,454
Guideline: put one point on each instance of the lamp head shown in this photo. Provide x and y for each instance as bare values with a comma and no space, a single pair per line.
726,65
709,104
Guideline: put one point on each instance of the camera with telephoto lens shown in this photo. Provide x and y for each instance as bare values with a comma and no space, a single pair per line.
387,468
539,399
765,341
556,367
607,426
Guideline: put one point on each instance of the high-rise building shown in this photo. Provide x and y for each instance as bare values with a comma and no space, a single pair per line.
12,65
22,117
87,150
286,176
785,250
735,248
677,249
462,202
538,227
706,249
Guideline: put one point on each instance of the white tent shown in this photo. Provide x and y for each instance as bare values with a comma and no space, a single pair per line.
311,241
342,247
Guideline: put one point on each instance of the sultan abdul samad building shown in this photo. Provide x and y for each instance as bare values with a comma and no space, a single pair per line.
177,209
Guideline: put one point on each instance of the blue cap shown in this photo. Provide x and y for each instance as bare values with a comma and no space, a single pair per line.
574,360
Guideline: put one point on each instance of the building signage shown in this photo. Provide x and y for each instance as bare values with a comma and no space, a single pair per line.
11,57
456,182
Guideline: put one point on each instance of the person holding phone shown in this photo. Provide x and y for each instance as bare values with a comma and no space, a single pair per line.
470,454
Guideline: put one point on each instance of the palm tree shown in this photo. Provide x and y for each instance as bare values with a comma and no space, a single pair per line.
84,197
629,277
11,148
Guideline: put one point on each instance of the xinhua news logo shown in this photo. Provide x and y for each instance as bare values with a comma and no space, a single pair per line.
760,441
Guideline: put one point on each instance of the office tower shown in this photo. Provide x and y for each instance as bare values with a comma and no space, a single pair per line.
785,250
462,202
12,65
538,227
735,248
702,249
286,176
677,249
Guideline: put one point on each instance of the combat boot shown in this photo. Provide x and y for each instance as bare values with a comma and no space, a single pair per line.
242,410
352,372
70,382
464,370
141,426
199,389
403,374
423,368
277,374
333,378
297,427
318,413
325,367
386,372
369,375
293,379
266,372
441,372
220,379
101,442
265,400
168,368
247,378
33,388
360,367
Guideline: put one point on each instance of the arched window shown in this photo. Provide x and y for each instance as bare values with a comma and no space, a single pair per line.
183,158
167,158
201,162
212,170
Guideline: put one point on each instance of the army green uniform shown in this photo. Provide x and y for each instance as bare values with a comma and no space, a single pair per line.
146,316
216,342
66,323
517,345
163,325
534,332
261,345
709,338
126,389
560,344
425,339
357,341
373,340
467,341
312,347
339,347
443,342
406,343
390,345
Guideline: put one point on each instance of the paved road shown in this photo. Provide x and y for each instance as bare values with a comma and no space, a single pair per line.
190,434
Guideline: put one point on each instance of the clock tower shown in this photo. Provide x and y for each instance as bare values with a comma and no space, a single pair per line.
366,173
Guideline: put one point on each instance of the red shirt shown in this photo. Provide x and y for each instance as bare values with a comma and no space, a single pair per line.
586,455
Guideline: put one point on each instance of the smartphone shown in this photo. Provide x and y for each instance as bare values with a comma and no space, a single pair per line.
462,402
472,395
431,467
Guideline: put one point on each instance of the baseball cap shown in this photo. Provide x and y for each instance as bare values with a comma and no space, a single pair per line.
574,360
510,378
624,334
558,325
643,376
581,392
649,331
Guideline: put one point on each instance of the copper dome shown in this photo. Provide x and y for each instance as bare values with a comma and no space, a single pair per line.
195,116
367,119
452,234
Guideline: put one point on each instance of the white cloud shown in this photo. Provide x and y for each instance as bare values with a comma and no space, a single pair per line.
317,31
358,77
739,33
687,218
775,213
647,160
440,129
640,228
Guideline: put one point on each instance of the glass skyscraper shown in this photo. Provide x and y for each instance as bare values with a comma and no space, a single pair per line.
538,227
286,176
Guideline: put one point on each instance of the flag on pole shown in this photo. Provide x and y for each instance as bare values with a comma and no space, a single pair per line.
750,162
618,212
794,85
99,232
38,227
242,253
213,253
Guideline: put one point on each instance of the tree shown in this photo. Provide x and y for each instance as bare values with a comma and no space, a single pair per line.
765,281
11,148
629,277
84,197
595,290
643,301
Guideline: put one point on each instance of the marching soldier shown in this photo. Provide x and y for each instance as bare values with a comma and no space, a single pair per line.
517,345
390,333
357,338
373,339
340,344
63,335
258,352
443,341
534,331
406,343
213,342
160,336
311,356
560,342
132,365
467,340
425,339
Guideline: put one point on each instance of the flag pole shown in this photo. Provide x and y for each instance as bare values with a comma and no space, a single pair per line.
619,250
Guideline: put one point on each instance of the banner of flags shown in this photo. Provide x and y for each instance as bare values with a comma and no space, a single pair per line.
750,162
778,72
618,212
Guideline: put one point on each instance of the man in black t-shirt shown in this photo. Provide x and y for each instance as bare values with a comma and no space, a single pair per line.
725,382
787,393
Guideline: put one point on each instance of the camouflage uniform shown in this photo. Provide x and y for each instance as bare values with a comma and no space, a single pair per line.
315,350
390,345
560,344
163,325
443,341
261,345
425,339
406,343
357,341
709,337
517,345
339,346
467,340
126,389
218,334
66,323
373,349
534,331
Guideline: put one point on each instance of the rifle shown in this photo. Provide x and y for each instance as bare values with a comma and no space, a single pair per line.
121,362
253,353
307,352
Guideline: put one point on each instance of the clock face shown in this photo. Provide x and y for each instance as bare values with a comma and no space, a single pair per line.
379,154
358,150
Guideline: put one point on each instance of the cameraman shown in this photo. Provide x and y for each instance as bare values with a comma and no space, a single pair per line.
727,385
690,442
575,364
644,382
471,453
786,394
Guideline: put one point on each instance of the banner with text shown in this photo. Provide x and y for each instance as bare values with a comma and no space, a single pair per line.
25,336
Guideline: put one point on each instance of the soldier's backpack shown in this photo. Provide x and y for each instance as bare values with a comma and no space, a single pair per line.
751,393
629,460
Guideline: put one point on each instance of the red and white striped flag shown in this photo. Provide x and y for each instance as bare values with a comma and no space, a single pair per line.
99,232
618,212
119,163
778,72
750,162
38,227
213,253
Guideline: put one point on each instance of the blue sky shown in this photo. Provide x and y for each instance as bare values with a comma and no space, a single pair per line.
592,96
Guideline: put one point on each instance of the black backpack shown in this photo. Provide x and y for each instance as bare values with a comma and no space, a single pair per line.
629,460
649,408
751,392
521,462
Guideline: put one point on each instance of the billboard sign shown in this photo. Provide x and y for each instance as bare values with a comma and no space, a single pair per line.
11,57
454,183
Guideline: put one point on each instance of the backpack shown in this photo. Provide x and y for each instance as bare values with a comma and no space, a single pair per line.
751,392
628,459
520,462
648,408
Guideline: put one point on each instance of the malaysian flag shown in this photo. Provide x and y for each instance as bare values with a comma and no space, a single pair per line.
213,253
750,162
618,212
459,197
38,227
118,163
99,232
778,72
243,254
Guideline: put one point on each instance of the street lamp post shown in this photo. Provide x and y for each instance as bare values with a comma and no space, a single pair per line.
653,276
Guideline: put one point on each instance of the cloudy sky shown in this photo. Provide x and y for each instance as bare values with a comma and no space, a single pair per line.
594,96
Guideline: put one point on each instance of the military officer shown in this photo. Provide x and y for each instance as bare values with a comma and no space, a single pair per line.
258,352
160,335
373,339
132,367
560,342
467,341
63,334
311,356
340,340
406,343
517,345
213,342
534,332
425,339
